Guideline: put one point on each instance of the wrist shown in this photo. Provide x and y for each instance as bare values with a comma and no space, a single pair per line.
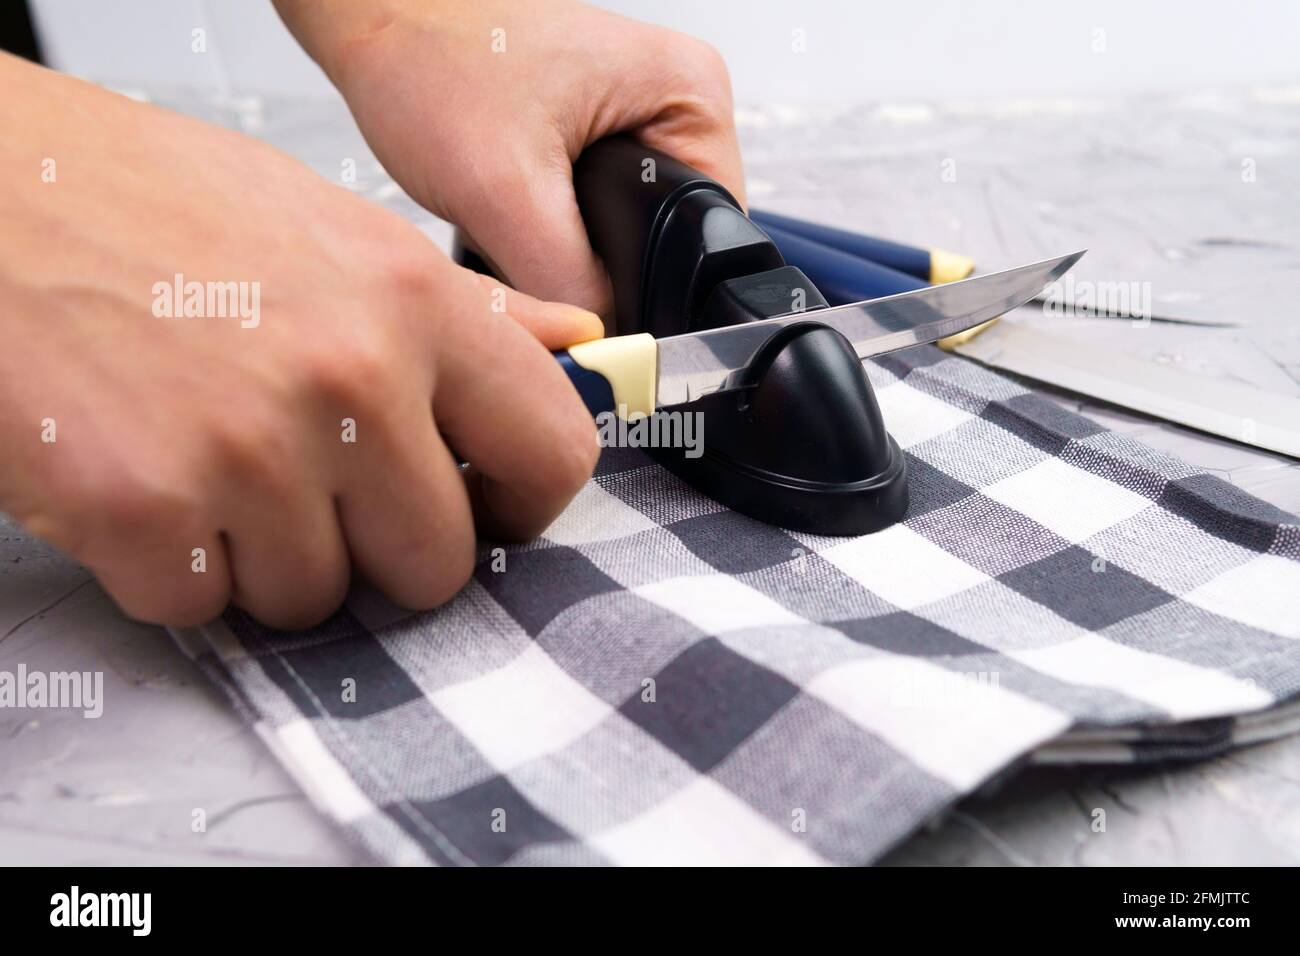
332,30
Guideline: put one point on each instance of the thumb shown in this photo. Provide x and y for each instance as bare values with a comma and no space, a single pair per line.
554,324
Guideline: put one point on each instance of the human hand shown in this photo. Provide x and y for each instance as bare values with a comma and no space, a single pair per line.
479,110
260,456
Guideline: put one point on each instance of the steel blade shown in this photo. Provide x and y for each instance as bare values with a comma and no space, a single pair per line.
697,363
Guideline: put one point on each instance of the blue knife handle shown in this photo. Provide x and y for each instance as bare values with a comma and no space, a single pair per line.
930,265
593,388
840,276
894,255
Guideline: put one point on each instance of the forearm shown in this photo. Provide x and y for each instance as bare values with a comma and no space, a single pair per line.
29,86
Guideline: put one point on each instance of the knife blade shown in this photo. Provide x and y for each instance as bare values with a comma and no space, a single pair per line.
1230,409
635,374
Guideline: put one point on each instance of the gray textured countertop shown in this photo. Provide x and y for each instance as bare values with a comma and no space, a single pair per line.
1153,187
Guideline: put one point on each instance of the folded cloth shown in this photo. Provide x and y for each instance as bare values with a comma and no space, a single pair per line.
661,680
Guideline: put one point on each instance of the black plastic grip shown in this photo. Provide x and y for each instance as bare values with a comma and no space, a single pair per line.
668,235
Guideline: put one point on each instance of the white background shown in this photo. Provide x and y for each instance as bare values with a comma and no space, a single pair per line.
856,50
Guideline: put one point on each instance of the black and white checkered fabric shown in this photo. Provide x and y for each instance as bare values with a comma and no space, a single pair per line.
660,680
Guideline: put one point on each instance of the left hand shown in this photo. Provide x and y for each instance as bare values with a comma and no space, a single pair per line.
479,109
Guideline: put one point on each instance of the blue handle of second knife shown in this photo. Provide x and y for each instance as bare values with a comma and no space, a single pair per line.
839,276
910,260
593,388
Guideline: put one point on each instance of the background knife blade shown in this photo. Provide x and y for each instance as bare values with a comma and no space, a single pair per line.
1219,406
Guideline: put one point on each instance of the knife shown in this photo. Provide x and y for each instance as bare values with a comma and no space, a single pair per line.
633,375
1232,410
932,266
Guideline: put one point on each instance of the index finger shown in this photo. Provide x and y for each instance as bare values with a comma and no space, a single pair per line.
504,404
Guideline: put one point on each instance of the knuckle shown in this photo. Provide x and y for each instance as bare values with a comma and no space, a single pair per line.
577,447
453,575
199,609
702,66
254,444
306,609
98,515
352,371
146,508
710,63
576,460
555,481
317,592
441,582
410,269
567,454
180,603
57,518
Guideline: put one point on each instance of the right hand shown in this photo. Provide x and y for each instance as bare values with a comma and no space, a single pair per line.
486,135
176,434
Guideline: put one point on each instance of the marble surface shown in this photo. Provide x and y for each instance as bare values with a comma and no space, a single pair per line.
1153,187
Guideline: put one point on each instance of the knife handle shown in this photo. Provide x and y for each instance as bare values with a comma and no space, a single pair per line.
841,276
934,266
617,375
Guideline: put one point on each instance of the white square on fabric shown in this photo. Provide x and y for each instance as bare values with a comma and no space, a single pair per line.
703,824
1068,500
1264,593
596,515
522,710
903,567
716,603
957,728
227,647
1186,691
1187,558
913,416
310,762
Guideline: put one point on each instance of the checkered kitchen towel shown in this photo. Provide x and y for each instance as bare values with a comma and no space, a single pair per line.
660,680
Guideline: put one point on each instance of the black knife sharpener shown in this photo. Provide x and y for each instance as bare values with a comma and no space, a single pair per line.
797,438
